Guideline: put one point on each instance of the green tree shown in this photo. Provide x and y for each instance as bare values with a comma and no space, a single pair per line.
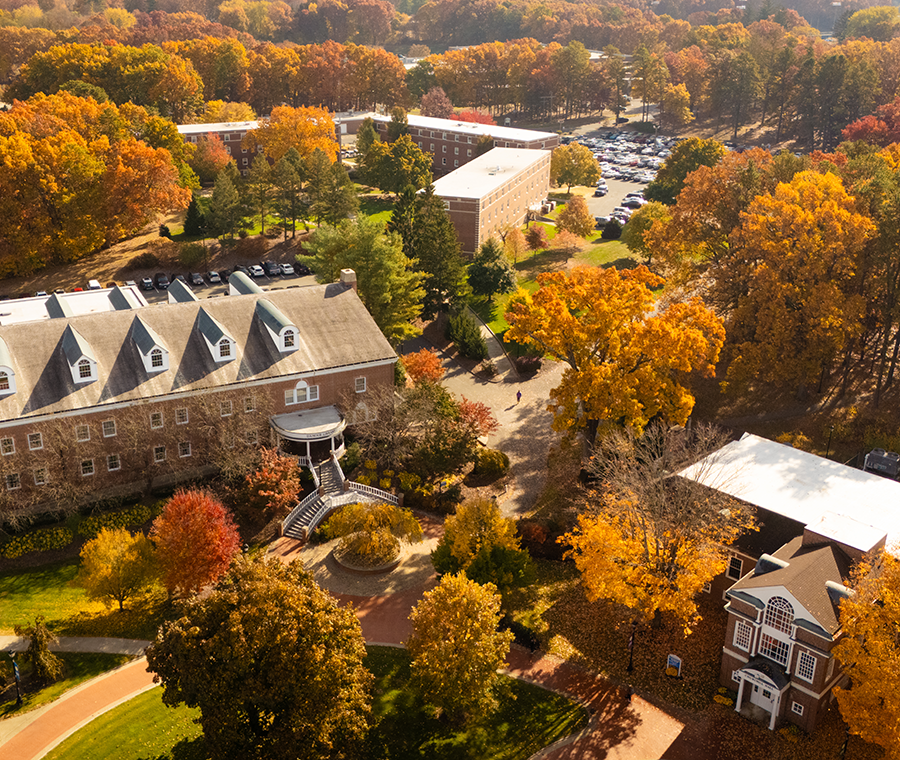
194,221
617,74
430,239
225,206
388,286
366,136
117,566
393,166
258,188
573,164
686,157
47,667
484,144
274,665
287,182
576,218
641,222
334,197
398,125
456,648
490,272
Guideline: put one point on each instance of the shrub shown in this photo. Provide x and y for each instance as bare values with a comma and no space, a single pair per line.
528,365
191,254
371,533
466,334
164,231
146,260
37,541
489,368
351,458
523,635
490,463
91,526
612,230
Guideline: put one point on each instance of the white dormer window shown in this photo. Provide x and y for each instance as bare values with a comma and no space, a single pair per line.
156,359
86,370
224,349
7,382
289,339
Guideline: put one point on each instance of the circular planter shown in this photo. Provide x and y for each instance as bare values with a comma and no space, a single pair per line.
365,570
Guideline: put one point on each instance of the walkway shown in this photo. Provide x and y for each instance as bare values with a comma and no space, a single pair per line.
133,647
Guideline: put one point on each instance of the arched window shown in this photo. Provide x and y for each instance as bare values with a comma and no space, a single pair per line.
4,381
224,348
156,358
779,614
84,369
289,338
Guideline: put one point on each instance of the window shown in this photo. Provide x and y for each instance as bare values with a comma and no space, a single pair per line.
224,348
249,405
707,588
82,433
181,416
735,566
796,708
767,694
245,160
13,481
289,338
806,666
469,152
456,138
253,437
443,149
113,462
156,420
301,393
456,151
225,408
443,162
736,675
156,358
184,449
779,614
159,453
84,370
743,632
432,147
4,381
774,649
109,428
7,446
87,467
40,476
360,384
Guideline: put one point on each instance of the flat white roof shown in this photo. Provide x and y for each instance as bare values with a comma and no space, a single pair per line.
221,126
853,507
82,302
467,127
486,173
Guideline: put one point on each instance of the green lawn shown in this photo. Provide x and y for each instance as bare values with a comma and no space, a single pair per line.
375,207
79,667
528,719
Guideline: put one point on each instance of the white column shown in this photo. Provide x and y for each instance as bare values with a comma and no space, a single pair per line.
308,455
740,696
775,705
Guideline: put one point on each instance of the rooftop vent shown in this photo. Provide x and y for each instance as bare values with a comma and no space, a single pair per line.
883,462
767,563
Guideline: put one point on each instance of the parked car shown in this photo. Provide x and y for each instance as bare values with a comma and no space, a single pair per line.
40,294
161,281
214,278
146,283
59,291
287,269
180,278
130,284
271,268
94,285
241,268
256,271
601,221
600,192
195,278
633,202
303,270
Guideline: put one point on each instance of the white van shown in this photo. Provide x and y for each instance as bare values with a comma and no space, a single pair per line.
94,285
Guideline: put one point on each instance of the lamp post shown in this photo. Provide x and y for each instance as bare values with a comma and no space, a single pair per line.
828,445
16,674
631,646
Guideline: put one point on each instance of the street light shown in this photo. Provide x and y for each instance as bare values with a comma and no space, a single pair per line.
631,646
828,445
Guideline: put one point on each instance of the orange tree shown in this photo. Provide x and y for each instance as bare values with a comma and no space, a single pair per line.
272,488
303,129
423,365
628,357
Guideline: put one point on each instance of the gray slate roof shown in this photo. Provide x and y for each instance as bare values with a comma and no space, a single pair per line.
335,330
74,346
805,576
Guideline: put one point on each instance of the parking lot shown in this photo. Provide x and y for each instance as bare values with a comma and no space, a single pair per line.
208,290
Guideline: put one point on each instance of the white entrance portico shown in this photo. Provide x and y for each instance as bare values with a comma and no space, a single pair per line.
763,684
311,435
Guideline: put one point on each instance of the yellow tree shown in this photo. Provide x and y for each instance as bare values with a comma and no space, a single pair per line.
628,357
797,261
869,652
576,218
652,539
573,164
304,128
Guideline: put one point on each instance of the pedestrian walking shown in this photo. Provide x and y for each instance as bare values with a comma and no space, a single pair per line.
518,396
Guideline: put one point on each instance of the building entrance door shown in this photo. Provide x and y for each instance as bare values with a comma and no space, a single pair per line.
762,697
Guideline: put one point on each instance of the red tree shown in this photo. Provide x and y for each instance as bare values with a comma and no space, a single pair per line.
423,365
210,157
195,541
536,237
478,416
881,129
475,117
272,488
436,103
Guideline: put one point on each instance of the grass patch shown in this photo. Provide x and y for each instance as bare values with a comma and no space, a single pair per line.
376,208
78,668
141,728
608,253
528,719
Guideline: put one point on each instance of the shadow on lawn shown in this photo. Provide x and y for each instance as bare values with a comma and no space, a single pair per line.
186,749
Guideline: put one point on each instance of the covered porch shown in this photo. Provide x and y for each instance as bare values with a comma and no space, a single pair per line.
761,691
311,435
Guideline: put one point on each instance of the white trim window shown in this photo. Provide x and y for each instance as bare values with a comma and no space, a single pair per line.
156,420
779,614
85,370
113,462
87,467
743,635
806,666
35,441
82,433
359,385
774,649
40,476
159,454
4,381
13,481
735,568
181,416
301,393
736,676
156,359
109,428
225,408
7,446
225,349
796,708
184,449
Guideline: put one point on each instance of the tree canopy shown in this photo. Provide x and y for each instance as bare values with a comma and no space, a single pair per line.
274,665
116,566
688,156
573,164
304,129
490,272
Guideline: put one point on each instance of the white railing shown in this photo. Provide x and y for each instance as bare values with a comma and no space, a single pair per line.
337,466
315,475
296,511
372,491
329,504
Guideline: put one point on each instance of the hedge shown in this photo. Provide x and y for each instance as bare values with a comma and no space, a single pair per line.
37,541
91,526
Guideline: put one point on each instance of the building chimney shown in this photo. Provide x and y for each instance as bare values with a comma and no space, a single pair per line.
348,278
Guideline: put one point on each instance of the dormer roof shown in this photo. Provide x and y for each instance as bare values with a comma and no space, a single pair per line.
145,338
271,317
180,293
5,355
58,308
76,347
123,300
240,284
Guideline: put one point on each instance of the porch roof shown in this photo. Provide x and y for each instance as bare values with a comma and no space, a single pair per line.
310,424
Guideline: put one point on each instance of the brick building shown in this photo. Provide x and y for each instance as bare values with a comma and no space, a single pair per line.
104,400
230,133
784,584
452,143
494,192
